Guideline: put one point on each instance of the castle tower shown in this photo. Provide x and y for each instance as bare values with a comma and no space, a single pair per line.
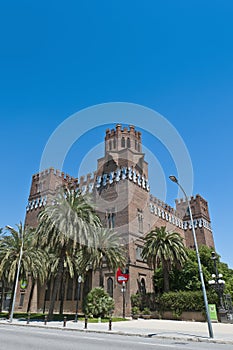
201,218
44,187
122,196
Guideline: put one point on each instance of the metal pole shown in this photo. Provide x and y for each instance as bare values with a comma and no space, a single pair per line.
211,334
123,295
85,322
16,282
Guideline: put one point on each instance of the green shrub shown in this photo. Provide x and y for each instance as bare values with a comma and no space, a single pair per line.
146,311
180,301
136,300
135,310
98,303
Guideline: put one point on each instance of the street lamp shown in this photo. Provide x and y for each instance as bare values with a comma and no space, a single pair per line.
17,276
174,179
78,296
123,295
218,284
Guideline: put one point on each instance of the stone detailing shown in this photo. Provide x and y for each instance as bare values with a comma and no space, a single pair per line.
197,223
119,139
36,203
123,174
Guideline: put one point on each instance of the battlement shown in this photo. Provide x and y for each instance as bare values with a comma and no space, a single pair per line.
192,200
57,173
124,132
164,205
120,138
66,178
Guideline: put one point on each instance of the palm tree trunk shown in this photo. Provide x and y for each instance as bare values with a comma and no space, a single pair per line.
12,294
62,292
101,277
31,295
166,285
2,295
57,283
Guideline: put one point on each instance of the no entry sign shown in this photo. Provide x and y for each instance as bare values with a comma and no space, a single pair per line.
122,276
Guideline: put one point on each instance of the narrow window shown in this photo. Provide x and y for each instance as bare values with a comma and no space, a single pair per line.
110,286
21,299
143,286
128,142
123,142
140,221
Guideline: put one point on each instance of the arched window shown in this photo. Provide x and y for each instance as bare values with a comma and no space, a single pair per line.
143,286
114,143
110,286
123,142
128,142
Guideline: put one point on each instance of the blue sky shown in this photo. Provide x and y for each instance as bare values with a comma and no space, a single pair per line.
175,57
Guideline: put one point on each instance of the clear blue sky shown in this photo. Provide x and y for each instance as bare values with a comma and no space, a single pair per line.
172,56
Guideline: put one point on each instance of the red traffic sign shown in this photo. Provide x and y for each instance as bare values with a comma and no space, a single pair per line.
122,276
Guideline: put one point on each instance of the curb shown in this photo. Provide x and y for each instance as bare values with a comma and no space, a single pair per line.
190,339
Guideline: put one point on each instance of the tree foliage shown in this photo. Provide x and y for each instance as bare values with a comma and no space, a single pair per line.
165,249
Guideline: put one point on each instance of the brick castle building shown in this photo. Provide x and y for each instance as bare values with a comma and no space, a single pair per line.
121,192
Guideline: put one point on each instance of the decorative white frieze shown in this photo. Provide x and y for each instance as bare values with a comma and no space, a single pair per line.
197,223
122,174
185,225
36,203
165,215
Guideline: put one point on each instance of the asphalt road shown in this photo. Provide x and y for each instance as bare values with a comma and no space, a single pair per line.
28,338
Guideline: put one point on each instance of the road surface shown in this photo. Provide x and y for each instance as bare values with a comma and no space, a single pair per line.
31,338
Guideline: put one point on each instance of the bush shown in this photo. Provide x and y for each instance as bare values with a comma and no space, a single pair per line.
180,301
135,310
98,303
146,311
145,300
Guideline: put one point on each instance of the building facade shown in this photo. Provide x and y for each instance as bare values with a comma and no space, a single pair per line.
121,191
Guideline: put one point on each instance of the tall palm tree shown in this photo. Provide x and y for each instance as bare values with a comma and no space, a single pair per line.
32,257
165,248
105,249
65,225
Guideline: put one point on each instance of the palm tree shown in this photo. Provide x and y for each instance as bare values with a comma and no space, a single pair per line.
104,250
12,241
165,248
65,225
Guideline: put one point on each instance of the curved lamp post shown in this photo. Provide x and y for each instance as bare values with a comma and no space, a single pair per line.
174,179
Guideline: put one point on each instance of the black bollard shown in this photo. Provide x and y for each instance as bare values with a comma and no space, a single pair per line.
45,320
28,319
85,324
110,324
64,322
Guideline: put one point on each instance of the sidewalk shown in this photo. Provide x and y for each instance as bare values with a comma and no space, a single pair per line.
179,330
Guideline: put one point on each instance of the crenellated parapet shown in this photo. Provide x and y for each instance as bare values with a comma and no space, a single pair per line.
47,183
123,137
125,131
